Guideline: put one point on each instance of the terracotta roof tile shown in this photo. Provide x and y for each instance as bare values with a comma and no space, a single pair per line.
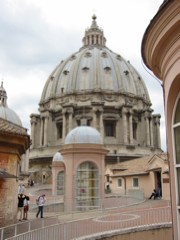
4,174
11,128
135,166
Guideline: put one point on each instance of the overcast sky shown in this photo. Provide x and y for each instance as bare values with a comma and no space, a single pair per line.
35,35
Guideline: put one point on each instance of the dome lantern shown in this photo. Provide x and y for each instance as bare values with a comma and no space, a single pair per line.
3,96
94,35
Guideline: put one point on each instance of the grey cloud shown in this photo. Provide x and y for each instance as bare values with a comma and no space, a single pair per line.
27,39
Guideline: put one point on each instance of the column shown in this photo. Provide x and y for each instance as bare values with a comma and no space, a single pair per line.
42,132
94,123
90,40
158,132
101,123
130,128
64,123
46,131
26,161
147,129
70,111
94,39
151,132
124,116
33,123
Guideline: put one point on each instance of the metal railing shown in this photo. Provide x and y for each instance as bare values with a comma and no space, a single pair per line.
110,221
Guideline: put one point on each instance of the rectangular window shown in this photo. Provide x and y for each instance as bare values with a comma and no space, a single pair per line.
134,130
135,182
110,129
177,143
59,130
120,182
177,151
178,184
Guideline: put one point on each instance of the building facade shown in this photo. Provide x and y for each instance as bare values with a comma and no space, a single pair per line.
78,171
161,54
138,177
14,142
101,86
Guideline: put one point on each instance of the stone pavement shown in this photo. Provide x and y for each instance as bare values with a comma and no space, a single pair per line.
36,190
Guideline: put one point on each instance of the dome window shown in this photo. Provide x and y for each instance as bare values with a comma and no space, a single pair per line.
88,54
107,69
104,54
73,57
85,69
66,72
119,57
126,72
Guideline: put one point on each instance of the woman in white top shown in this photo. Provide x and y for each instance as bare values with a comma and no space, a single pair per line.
40,202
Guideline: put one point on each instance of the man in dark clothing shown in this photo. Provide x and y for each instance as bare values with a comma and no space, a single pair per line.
21,198
154,194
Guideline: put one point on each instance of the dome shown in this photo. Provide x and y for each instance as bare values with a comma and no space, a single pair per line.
57,157
97,85
94,68
83,134
5,112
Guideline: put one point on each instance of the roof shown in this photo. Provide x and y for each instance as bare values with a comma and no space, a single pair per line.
134,167
11,128
4,174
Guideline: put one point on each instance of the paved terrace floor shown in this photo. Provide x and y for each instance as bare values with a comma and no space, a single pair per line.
140,205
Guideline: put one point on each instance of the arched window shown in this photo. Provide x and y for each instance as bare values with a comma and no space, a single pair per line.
87,186
60,183
176,128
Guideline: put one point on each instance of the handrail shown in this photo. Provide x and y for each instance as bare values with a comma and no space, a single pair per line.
82,228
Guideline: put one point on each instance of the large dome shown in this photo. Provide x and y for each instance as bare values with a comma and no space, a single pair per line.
5,112
99,86
94,68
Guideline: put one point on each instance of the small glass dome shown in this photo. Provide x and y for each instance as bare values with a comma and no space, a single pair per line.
83,134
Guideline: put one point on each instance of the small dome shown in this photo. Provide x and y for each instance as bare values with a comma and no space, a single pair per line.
57,157
5,112
83,134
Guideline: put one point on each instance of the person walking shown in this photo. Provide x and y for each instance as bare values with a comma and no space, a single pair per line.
40,202
21,188
21,198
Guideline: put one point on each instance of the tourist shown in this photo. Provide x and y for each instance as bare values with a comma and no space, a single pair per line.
21,198
21,188
154,194
40,202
